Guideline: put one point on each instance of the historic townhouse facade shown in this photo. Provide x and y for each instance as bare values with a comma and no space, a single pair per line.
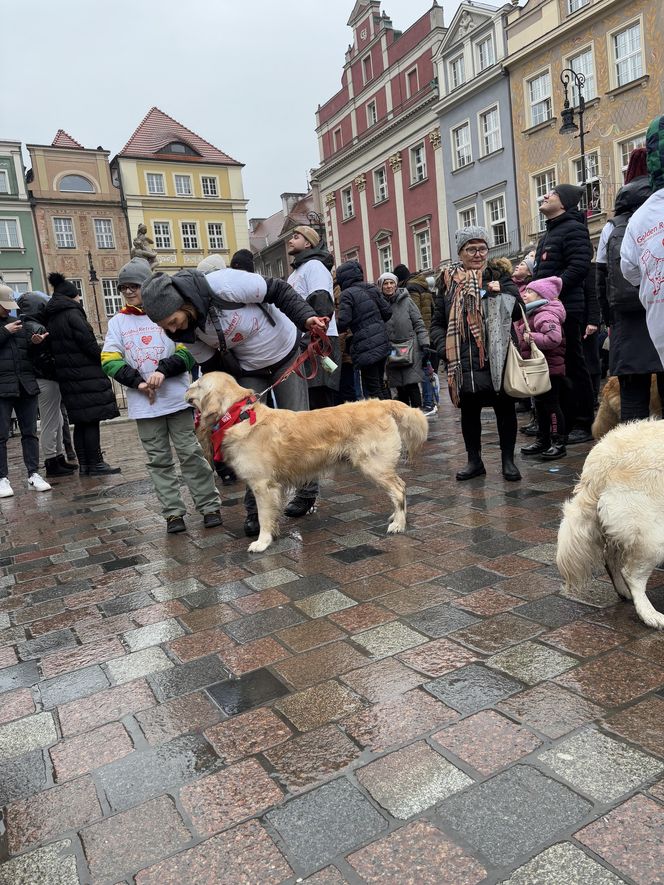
476,126
268,237
617,45
20,265
187,192
380,183
80,222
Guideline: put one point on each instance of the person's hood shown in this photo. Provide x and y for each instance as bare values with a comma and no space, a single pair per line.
349,273
32,305
399,295
554,306
58,303
632,195
418,279
502,266
316,253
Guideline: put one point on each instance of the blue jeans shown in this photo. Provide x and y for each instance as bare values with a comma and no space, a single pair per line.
427,386
25,407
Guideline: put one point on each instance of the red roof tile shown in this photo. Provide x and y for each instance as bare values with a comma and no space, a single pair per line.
63,139
157,129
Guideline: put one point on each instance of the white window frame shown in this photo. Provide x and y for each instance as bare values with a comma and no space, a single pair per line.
591,202
459,162
612,36
162,239
384,253
215,180
372,113
113,301
492,224
423,251
62,236
280,267
575,5
367,79
353,255
454,71
149,177
471,221
337,138
545,98
381,192
589,92
178,179
634,141
216,241
4,177
487,39
19,234
104,239
485,136
347,206
190,236
538,191
418,167
409,91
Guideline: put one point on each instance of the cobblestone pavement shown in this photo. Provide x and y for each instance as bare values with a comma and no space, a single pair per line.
348,707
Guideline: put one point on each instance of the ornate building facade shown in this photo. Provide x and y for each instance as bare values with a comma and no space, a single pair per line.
269,236
380,183
20,265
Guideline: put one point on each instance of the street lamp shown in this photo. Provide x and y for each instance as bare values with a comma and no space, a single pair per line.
316,221
94,279
569,126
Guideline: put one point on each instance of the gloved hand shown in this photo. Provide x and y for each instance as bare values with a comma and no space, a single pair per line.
426,356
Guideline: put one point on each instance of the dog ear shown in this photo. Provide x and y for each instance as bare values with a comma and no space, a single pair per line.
210,407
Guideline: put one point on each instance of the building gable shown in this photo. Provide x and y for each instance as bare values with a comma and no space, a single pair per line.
64,139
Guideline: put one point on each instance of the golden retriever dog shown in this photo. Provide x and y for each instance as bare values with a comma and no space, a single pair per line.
615,516
284,448
608,414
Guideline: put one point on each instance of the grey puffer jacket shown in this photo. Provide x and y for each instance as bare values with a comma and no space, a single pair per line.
406,323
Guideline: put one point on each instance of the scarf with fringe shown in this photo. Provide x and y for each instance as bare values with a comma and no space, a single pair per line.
465,318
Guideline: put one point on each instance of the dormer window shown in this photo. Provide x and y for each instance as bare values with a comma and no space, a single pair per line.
178,147
457,72
76,184
485,53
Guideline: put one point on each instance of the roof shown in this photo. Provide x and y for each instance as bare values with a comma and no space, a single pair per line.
157,129
64,139
267,232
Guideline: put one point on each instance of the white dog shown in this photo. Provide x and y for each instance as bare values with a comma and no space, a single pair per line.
617,515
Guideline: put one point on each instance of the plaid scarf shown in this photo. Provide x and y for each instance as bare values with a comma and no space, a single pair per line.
465,318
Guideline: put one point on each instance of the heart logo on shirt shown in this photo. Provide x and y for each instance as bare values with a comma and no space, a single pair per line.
237,337
146,339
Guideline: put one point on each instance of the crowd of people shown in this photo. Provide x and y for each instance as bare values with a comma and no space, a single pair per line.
387,338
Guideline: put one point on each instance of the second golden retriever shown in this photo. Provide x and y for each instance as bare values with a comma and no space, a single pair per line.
608,414
284,448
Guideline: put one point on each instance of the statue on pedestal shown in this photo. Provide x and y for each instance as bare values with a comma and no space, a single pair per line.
142,244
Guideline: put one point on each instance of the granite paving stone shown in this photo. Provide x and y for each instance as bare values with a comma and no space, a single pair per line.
311,634
472,688
388,639
613,679
261,600
531,662
562,863
411,780
23,735
321,604
488,602
642,724
16,704
192,712
137,664
382,680
650,647
251,690
487,741
319,665
81,754
326,876
129,841
657,790
69,686
493,634
631,839
437,657
273,578
175,681
600,766
253,655
21,675
153,634
414,599
105,706
583,639
513,814
326,822
550,709
327,702
22,776
55,864
247,734
553,611
439,621
418,853
263,623
473,578
240,856
202,643
312,757
212,616
46,644
362,617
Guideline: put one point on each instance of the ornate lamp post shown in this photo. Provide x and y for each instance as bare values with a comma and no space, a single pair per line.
94,279
316,221
569,126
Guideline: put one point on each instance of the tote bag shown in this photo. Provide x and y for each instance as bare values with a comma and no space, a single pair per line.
526,376
401,353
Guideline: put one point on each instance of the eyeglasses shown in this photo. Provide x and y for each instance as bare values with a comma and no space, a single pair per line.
129,287
476,250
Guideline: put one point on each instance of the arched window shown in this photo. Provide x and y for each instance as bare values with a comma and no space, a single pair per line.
76,183
178,147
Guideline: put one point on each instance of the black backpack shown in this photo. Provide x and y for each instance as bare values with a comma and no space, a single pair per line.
622,296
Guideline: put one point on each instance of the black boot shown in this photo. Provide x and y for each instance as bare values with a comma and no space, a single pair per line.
556,450
510,470
299,506
69,462
55,468
535,448
101,468
83,468
252,527
474,467
225,472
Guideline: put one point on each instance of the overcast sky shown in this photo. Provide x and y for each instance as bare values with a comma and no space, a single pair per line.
246,75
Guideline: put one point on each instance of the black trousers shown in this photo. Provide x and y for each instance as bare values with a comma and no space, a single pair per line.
471,420
635,395
548,407
25,407
580,408
411,395
87,442
373,376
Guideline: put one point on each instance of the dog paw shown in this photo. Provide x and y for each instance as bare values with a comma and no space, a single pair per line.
258,546
655,620
396,527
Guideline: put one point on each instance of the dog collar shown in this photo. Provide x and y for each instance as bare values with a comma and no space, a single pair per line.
239,411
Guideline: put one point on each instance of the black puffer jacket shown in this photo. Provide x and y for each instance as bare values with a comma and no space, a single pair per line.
85,389
565,251
32,310
364,311
17,374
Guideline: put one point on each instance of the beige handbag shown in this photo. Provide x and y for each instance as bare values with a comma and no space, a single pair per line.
526,376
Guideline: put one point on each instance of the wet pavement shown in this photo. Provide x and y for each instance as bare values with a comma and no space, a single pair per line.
346,707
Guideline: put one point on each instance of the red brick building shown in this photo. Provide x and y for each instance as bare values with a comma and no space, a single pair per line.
380,183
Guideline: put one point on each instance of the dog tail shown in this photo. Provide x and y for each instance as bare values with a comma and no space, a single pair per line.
580,539
412,425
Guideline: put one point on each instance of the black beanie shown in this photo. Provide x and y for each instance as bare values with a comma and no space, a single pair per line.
243,260
401,272
569,194
61,286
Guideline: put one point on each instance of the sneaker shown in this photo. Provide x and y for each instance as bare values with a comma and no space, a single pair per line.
430,413
6,491
38,484
175,525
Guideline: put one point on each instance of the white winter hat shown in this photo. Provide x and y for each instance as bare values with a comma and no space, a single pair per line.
212,262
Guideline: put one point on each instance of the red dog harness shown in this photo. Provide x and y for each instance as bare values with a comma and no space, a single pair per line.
237,412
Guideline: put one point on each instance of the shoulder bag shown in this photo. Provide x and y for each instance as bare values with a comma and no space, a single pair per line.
525,376
401,353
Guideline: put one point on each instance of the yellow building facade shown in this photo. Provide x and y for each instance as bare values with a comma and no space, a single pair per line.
617,46
187,192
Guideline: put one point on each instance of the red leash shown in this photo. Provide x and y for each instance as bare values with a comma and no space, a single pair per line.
319,346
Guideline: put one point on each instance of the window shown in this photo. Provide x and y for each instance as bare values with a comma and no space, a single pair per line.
583,64
183,185
542,184
104,233
384,256
573,5
372,113
457,72
626,148
337,139
155,183
18,286
177,147
539,93
64,233
485,54
591,201
461,146
418,163
367,68
268,270
380,185
412,83
162,234
113,301
77,184
209,186
280,267
490,131
496,220
10,237
347,203
216,236
423,249
78,284
468,217
627,54
189,235
4,182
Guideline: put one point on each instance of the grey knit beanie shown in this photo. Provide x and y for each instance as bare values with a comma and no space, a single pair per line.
136,271
465,234
160,297
386,276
